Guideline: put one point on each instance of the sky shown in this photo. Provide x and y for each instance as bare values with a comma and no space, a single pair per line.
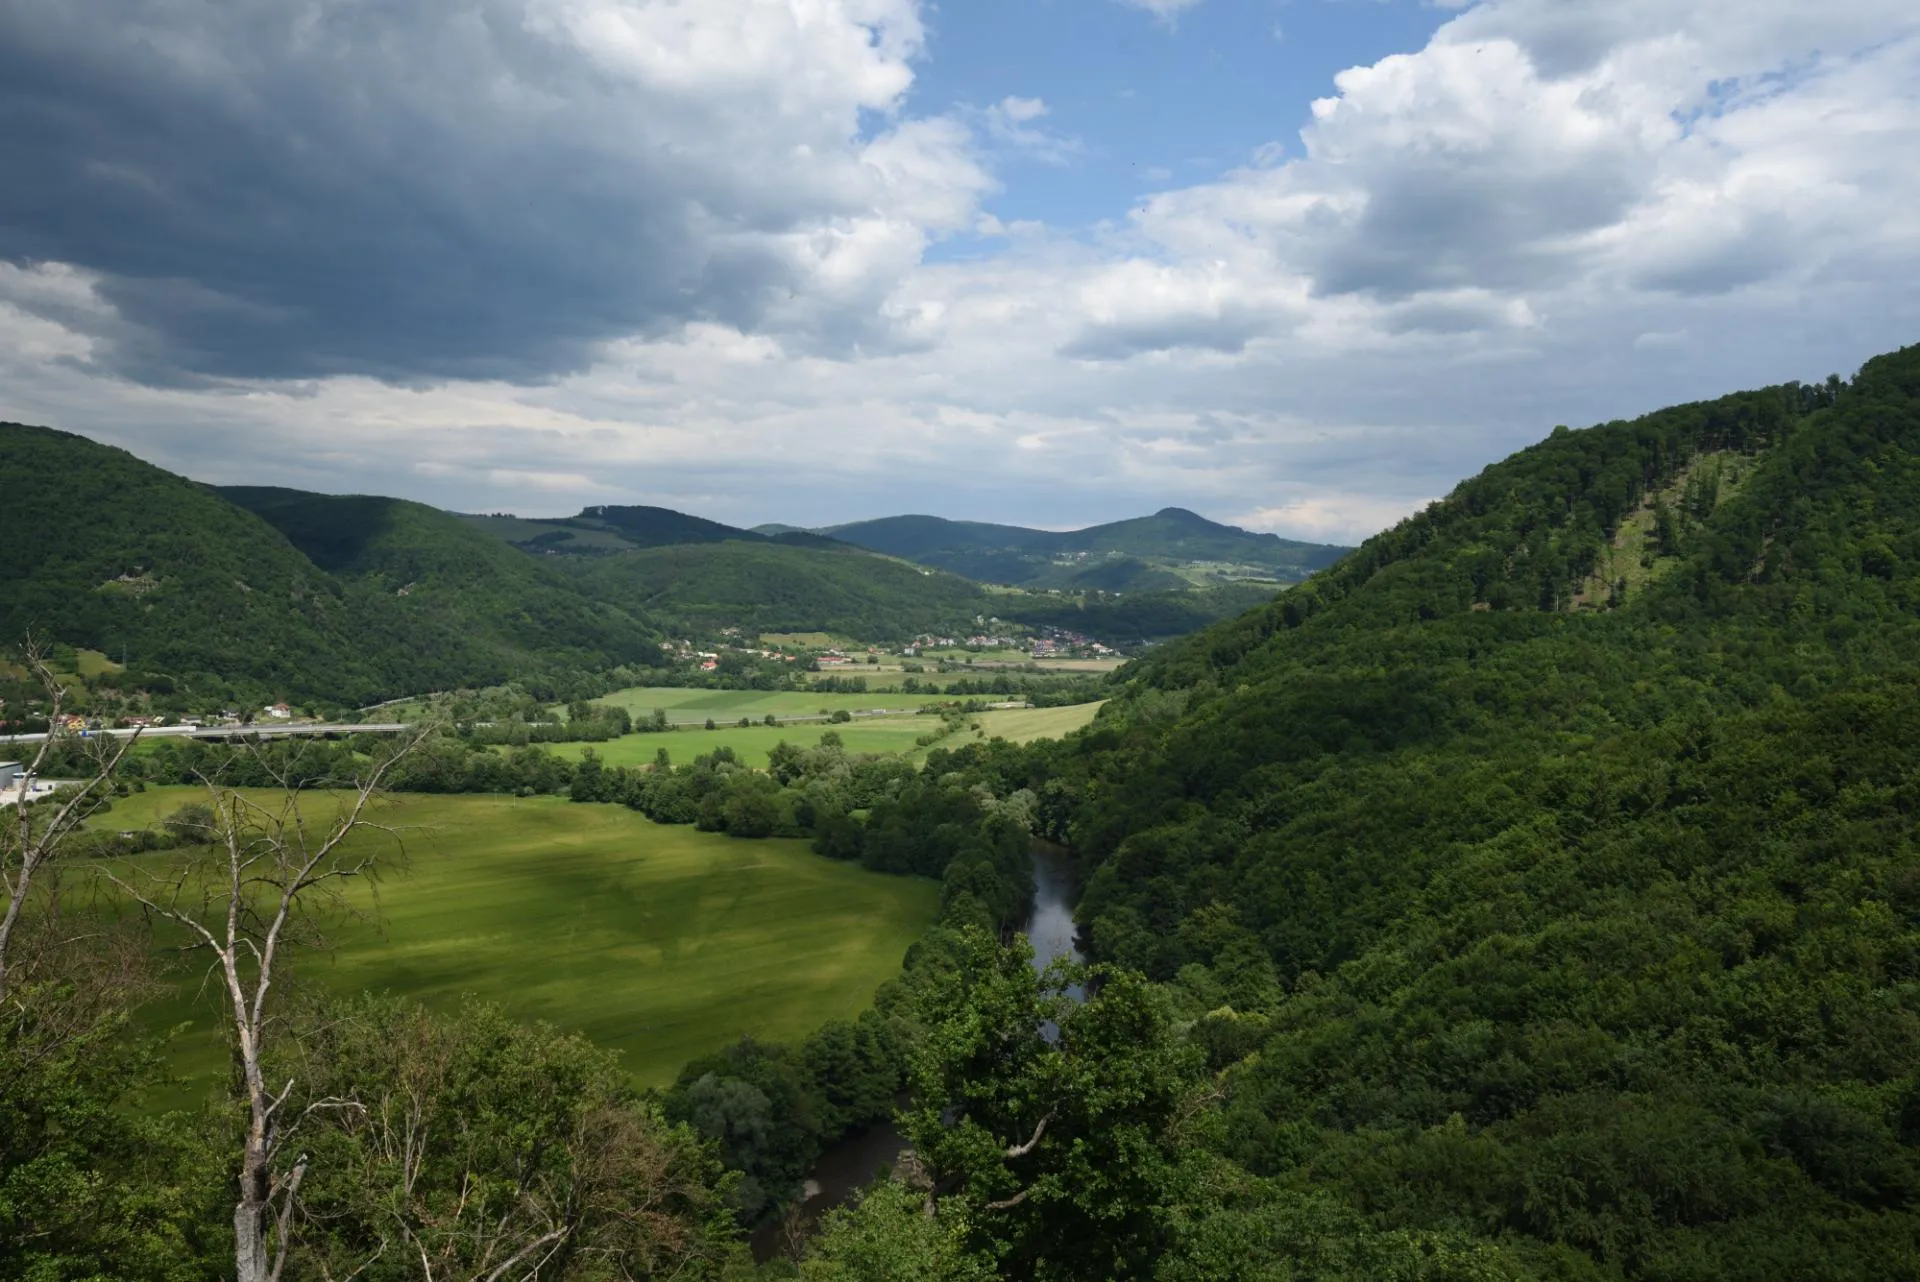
1299,265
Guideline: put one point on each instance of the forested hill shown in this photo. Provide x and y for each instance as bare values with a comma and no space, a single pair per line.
1550,864
766,586
195,591
607,528
1143,554
449,586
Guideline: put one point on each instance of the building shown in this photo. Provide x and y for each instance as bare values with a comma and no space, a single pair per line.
279,711
10,773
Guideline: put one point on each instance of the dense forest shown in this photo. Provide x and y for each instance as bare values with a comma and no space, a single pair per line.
765,586
1547,869
279,594
1130,617
610,527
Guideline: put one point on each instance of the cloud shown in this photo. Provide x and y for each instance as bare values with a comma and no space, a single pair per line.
571,243
1012,125
1165,10
475,189
1329,518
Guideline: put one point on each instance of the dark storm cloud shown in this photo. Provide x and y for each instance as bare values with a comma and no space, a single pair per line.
1479,221
407,190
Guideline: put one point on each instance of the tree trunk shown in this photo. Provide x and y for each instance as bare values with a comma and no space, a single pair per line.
250,1217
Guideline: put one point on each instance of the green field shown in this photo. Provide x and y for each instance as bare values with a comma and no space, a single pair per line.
661,942
1024,725
810,640
960,654
684,704
867,735
752,743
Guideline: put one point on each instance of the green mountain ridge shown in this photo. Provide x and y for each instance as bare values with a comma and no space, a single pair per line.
607,528
492,605
769,586
755,585
241,592
1147,553
1550,866
193,589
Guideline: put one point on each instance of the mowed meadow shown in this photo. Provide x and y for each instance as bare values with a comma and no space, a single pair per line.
691,703
660,942
900,734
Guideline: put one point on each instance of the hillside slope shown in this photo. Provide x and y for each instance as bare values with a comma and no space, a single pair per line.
458,592
109,552
1142,554
767,586
200,594
1551,865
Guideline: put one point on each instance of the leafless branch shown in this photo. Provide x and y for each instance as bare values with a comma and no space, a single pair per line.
1021,1150
248,910
31,845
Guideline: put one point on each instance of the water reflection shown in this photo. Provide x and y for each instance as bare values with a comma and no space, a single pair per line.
842,1171
851,1165
1050,926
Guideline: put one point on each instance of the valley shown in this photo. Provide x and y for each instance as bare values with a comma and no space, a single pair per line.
656,941
899,641
1424,881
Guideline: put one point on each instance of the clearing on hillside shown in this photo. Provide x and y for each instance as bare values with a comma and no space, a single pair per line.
1024,725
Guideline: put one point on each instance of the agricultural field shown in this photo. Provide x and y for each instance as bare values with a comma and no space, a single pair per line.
807,640
1080,666
1024,725
960,654
753,743
661,942
874,735
684,704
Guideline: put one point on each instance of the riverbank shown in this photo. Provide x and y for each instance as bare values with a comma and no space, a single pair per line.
856,1161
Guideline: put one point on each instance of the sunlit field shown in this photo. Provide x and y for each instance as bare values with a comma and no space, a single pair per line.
752,743
661,942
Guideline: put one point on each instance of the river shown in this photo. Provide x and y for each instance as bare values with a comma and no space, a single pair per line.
1050,926
851,1165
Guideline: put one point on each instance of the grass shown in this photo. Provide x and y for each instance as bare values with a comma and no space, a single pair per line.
1113,664
1630,556
92,663
661,942
685,704
877,735
809,640
753,743
1024,725
960,654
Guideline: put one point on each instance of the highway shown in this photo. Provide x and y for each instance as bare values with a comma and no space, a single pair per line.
283,730
267,730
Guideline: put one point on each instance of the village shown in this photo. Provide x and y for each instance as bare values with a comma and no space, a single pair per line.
996,648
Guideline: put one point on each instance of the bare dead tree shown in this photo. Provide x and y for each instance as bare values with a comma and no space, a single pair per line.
468,1149
273,879
34,836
